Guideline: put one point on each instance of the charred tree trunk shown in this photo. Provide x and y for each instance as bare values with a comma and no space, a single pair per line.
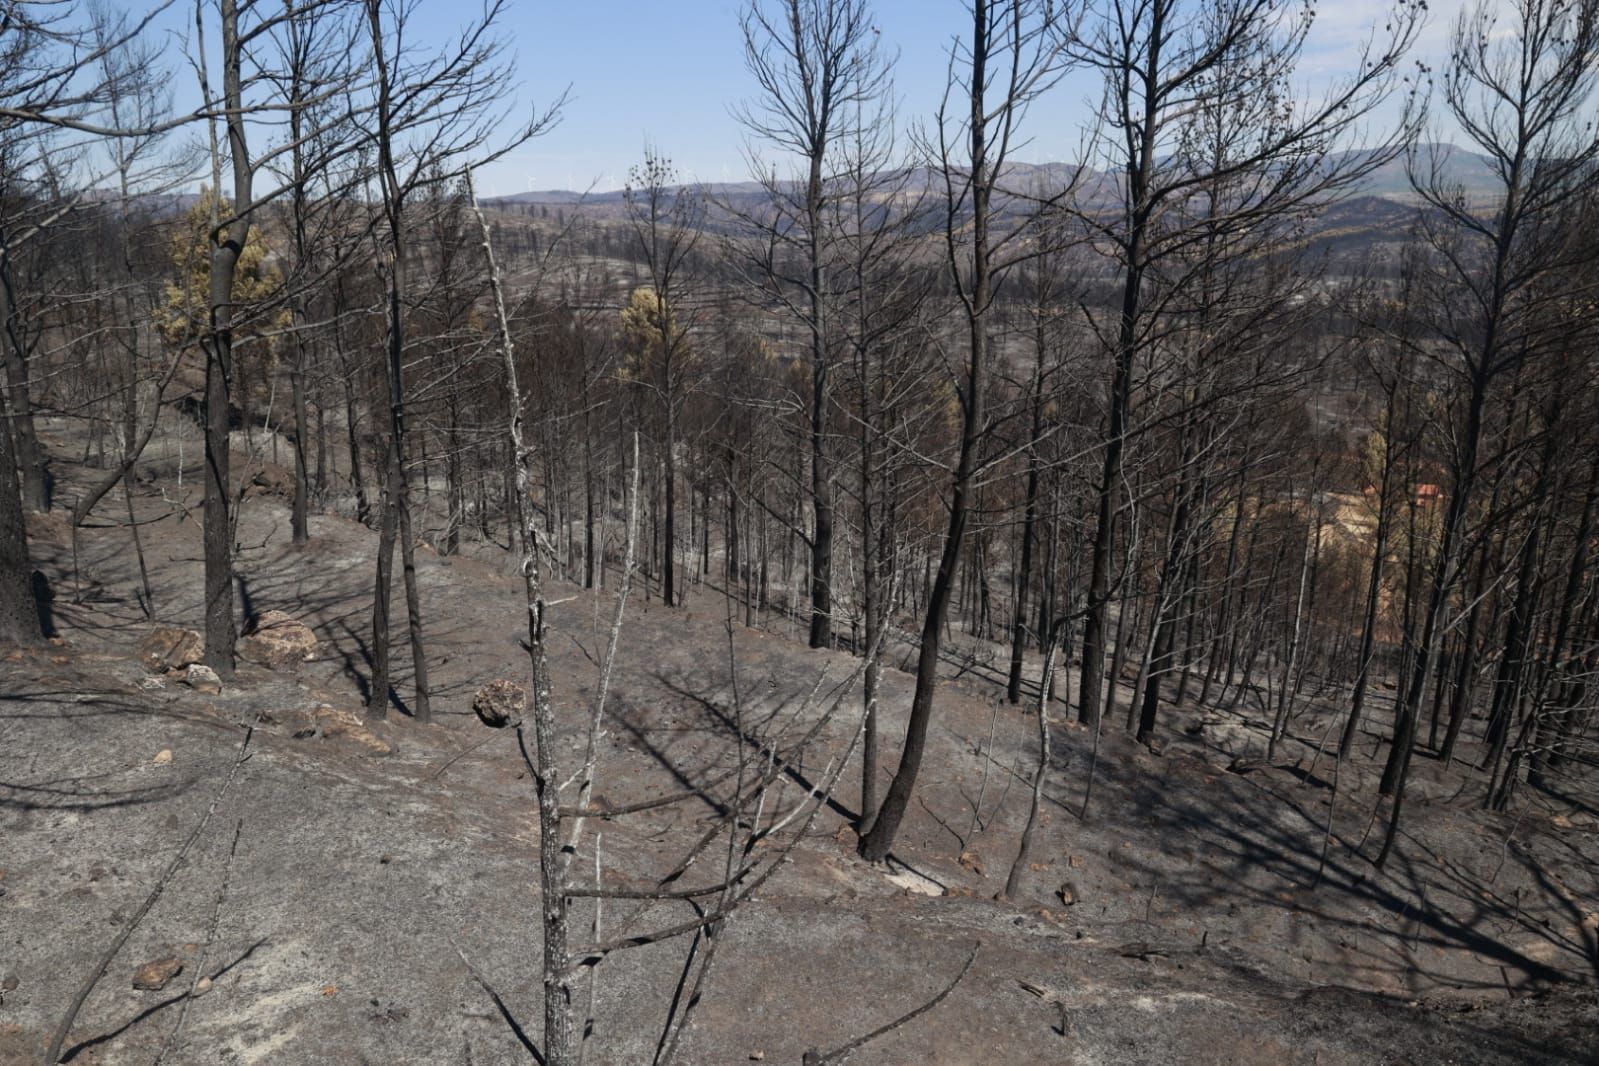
397,511
19,616
1024,569
1368,625
26,453
1549,730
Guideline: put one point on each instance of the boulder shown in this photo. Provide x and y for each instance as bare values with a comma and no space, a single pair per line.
499,702
170,648
203,679
277,640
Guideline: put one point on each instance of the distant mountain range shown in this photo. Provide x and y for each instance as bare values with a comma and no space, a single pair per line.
1456,167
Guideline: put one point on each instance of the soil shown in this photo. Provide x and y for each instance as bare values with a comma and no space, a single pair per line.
326,907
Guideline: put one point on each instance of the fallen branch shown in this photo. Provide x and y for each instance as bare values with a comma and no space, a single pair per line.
210,939
815,1057
53,1056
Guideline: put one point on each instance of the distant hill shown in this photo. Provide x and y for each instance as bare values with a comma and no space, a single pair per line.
1376,213
1456,167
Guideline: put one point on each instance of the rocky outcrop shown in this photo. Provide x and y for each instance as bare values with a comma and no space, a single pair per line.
270,479
326,722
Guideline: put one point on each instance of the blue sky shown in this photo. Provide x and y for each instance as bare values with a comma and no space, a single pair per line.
668,72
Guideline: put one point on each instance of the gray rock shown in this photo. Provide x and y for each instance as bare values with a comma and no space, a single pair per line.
500,701
202,678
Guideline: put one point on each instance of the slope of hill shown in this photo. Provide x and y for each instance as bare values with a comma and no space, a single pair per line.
358,873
